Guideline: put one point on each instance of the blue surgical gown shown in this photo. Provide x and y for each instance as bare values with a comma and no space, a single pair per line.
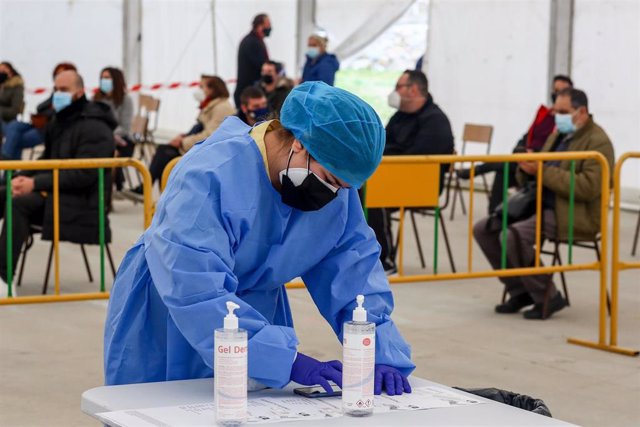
221,233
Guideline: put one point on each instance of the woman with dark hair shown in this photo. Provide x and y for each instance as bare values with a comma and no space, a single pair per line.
11,94
20,135
213,97
112,90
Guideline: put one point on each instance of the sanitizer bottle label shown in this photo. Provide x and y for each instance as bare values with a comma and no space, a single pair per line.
230,374
359,352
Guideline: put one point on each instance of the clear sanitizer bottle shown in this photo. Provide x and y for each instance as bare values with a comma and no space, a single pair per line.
230,371
358,359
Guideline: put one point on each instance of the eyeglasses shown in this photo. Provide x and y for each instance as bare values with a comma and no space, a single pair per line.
399,85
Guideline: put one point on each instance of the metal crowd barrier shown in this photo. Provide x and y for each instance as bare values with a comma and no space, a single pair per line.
393,185
55,166
616,266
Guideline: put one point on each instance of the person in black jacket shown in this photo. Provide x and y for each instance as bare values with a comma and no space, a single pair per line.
418,127
79,129
252,53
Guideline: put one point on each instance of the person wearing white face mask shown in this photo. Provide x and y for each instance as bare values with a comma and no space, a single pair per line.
575,131
320,65
213,98
418,127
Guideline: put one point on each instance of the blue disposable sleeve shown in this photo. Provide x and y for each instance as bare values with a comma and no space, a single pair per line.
353,268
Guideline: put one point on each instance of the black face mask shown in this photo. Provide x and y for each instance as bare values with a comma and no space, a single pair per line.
3,77
267,79
311,195
266,31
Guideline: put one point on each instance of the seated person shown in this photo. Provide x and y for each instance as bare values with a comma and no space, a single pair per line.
113,92
213,97
275,85
11,94
418,127
20,135
253,106
80,129
532,141
575,131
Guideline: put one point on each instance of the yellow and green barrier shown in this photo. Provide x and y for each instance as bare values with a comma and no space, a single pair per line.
55,166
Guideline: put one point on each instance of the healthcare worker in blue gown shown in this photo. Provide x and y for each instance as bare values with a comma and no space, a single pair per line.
244,212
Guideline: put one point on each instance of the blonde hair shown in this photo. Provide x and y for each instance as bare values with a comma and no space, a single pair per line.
322,41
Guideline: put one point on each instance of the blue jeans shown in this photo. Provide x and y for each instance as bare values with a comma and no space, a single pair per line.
19,135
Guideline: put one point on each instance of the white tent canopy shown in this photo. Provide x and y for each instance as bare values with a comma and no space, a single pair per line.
488,61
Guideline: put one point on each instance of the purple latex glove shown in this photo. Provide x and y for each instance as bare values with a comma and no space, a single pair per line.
309,371
391,380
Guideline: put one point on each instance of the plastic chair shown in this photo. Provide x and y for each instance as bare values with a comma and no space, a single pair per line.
478,134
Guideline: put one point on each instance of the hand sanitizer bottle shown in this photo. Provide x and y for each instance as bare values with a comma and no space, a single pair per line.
230,371
358,359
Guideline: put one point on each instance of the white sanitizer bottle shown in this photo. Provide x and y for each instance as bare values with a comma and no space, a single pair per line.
358,359
230,371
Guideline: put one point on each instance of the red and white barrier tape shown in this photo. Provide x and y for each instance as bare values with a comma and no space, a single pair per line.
135,88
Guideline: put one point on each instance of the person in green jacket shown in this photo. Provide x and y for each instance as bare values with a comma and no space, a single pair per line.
575,131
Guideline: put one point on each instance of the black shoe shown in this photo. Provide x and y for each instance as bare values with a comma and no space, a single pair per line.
463,173
138,190
556,303
514,304
389,268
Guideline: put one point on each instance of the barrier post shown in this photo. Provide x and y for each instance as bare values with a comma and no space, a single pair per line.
9,228
101,221
505,208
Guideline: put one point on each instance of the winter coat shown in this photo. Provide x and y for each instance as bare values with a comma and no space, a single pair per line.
83,130
11,98
323,68
590,137
210,117
252,53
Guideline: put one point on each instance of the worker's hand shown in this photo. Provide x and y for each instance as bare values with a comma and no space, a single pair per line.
391,380
21,185
530,168
309,371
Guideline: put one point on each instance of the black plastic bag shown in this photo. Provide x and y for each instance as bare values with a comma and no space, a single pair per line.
521,401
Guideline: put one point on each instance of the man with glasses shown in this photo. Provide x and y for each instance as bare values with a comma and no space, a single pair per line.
418,127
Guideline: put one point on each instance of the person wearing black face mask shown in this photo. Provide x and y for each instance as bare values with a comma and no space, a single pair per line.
253,106
275,84
252,53
245,211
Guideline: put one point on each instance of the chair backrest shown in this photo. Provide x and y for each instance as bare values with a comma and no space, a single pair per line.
139,127
149,107
480,134
404,181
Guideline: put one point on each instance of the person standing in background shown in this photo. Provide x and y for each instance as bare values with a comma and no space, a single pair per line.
320,65
252,53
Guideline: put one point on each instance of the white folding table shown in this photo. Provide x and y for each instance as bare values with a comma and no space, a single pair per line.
173,393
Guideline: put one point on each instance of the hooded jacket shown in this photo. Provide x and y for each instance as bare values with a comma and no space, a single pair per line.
323,68
11,98
82,130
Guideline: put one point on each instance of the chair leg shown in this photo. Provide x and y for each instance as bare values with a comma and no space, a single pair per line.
635,237
462,206
596,247
415,233
46,275
86,263
25,248
113,268
446,242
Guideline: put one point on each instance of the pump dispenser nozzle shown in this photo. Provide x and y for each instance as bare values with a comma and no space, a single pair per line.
360,314
231,320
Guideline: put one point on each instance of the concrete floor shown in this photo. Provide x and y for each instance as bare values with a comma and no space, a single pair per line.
51,353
